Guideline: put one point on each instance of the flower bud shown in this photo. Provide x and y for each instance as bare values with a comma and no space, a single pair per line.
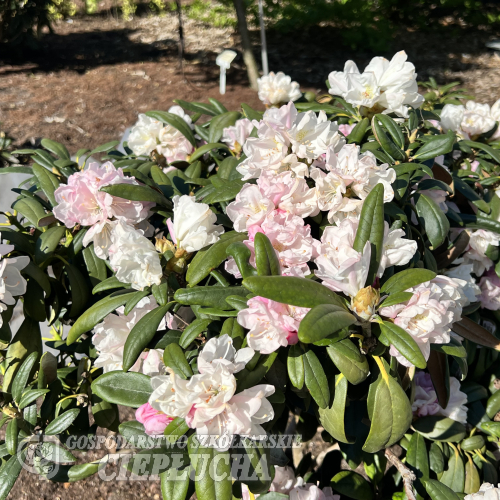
365,302
163,245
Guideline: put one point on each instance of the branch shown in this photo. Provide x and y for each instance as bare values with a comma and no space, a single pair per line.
407,475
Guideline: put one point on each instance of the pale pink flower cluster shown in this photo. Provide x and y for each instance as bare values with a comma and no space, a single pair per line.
208,400
271,324
385,86
148,135
426,401
470,120
12,284
111,334
155,422
344,269
475,253
490,291
429,315
236,135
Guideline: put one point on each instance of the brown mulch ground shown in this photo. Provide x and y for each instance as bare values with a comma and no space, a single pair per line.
92,76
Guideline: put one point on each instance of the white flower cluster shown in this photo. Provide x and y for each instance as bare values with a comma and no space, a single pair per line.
12,284
208,400
470,120
487,491
383,87
278,88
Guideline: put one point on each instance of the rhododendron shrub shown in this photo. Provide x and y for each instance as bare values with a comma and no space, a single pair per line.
238,277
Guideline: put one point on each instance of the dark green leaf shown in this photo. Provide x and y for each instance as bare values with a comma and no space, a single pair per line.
128,389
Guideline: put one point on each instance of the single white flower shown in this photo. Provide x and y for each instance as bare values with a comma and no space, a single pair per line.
452,116
133,257
194,224
144,135
396,249
278,88
463,273
475,254
220,350
236,135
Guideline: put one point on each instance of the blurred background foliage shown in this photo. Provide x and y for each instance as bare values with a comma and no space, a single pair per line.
362,24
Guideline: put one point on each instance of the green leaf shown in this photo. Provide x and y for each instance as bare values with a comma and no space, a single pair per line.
352,485
439,371
389,410
316,380
202,150
48,182
31,396
470,330
351,363
371,228
295,366
396,298
16,170
192,331
174,358
33,271
432,218
207,260
438,428
9,472
96,267
493,404
472,479
20,241
436,458
30,209
141,335
332,418
393,128
22,377
176,122
123,388
109,284
48,242
324,320
134,299
358,132
436,146
404,280
174,485
257,458
94,315
137,193
251,113
227,192
250,378
493,153
404,343
209,296
454,476
220,122
11,436
213,472
176,428
241,255
472,221
197,107
299,292
438,491
79,290
266,260
418,460
385,141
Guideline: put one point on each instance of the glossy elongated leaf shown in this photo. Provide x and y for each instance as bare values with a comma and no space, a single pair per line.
358,132
47,181
174,485
176,428
472,221
79,290
241,255
36,273
57,148
300,292
137,193
192,331
454,476
20,241
9,472
209,259
220,122
250,378
493,404
352,485
22,377
197,107
472,331
258,475
96,267
134,299
418,460
295,365
209,296
389,410
174,358
212,472
472,443
493,153
31,396
128,389
202,150
393,129
436,146
141,335
266,260
251,113
406,279
227,192
436,458
332,418
324,320
176,122
315,379
94,315
385,141
440,375
351,363
62,422
404,343
109,284
472,479
438,428
30,209
11,437
438,491
396,298
432,218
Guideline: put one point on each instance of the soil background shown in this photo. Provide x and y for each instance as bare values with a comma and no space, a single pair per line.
91,77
